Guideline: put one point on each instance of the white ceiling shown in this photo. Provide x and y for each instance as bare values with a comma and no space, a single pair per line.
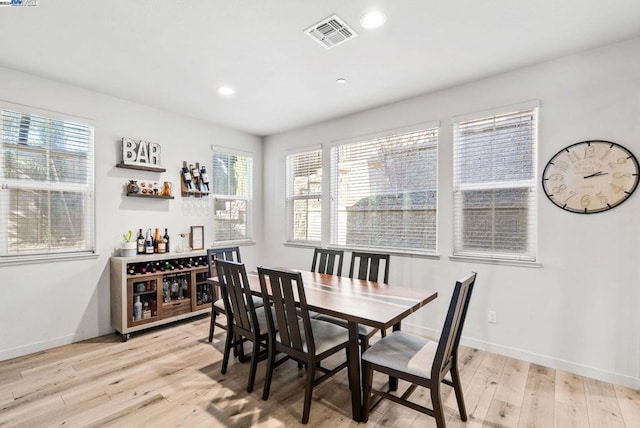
173,54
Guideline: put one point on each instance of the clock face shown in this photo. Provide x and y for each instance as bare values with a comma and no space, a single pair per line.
590,176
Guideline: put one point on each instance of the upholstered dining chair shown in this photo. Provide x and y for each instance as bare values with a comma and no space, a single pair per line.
217,304
420,361
327,261
248,323
294,333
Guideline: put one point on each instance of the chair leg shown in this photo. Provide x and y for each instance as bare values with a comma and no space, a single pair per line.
367,380
270,363
308,391
254,364
212,326
227,349
457,387
438,411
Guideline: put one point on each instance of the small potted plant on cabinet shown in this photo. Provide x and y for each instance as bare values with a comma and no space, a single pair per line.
128,246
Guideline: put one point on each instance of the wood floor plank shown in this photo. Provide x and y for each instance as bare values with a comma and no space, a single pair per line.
538,403
602,404
629,402
171,376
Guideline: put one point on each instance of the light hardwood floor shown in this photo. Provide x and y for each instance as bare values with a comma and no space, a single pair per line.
171,377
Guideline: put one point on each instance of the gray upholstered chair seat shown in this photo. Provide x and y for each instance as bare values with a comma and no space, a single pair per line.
404,352
363,330
326,335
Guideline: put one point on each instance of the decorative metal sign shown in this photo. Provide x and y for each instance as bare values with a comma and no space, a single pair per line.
140,153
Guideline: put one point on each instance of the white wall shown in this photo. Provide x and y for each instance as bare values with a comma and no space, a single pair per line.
49,304
580,310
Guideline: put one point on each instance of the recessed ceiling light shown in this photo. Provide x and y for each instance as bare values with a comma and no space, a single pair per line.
373,19
341,81
226,90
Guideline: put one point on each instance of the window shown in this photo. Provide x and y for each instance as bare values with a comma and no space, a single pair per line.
384,192
231,187
46,186
495,186
304,190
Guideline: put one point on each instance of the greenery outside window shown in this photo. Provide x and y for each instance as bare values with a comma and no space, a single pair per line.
304,194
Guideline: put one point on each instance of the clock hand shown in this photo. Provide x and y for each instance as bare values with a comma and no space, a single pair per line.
596,174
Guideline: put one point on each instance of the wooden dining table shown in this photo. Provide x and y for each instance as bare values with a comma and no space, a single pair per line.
357,302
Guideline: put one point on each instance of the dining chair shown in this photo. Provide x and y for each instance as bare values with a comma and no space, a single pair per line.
324,261
420,361
248,323
217,304
368,269
301,338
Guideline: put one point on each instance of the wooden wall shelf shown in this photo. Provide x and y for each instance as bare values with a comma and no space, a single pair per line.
138,195
141,167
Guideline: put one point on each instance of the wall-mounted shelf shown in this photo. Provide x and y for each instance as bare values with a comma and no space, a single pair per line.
138,195
141,167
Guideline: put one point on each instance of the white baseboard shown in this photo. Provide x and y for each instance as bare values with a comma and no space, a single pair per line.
6,354
531,357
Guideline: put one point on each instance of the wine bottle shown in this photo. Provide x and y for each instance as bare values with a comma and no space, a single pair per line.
186,175
148,242
140,242
204,179
195,174
166,239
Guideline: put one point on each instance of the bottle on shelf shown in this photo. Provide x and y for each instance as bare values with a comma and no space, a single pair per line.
148,243
195,176
204,180
146,310
156,240
166,240
137,309
140,242
186,176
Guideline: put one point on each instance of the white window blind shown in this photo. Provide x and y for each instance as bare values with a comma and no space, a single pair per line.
385,192
231,180
495,186
304,191
46,186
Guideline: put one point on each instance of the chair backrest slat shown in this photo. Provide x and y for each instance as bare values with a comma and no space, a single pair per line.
324,261
286,292
452,330
237,294
228,253
369,266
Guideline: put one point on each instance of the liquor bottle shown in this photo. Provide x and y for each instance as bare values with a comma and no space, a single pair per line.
148,243
166,239
156,240
137,309
204,180
186,175
140,242
161,244
195,174
146,310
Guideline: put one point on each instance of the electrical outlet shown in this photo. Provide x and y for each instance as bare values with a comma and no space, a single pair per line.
492,317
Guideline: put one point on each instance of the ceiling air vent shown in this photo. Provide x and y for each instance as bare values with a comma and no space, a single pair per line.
331,32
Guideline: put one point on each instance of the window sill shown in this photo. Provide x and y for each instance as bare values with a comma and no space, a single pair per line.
223,244
48,258
398,253
495,261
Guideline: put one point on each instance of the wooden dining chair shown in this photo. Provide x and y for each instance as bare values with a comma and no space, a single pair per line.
217,304
248,323
420,361
368,266
327,261
301,338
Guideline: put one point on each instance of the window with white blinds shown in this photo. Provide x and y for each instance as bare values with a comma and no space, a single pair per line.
384,192
495,186
231,180
46,186
304,192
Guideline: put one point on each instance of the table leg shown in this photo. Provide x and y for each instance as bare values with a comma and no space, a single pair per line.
393,381
354,372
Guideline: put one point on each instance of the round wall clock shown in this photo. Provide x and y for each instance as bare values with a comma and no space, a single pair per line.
590,176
